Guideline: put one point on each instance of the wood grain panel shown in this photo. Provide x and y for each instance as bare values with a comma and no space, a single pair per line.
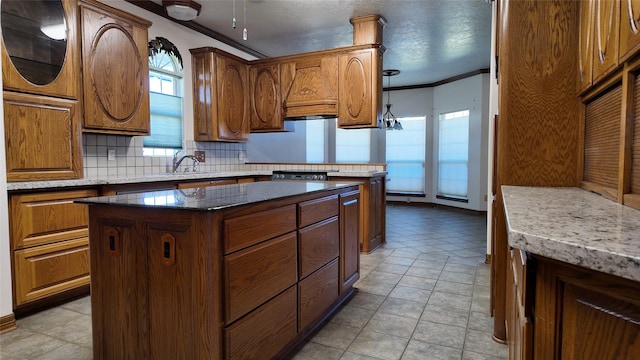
349,239
585,45
263,333
115,69
310,86
607,35
538,141
43,218
602,139
316,293
233,99
50,269
266,100
596,326
247,230
629,28
318,244
30,122
360,89
256,274
316,210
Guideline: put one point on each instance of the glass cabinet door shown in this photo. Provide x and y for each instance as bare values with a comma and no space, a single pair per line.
39,47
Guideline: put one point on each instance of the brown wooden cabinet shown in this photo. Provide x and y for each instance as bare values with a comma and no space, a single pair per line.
585,45
220,96
519,308
41,79
115,70
244,282
372,211
309,85
265,96
360,84
607,34
580,314
33,62
49,243
349,239
31,122
629,28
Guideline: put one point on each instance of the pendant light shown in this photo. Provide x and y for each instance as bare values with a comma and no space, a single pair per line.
390,121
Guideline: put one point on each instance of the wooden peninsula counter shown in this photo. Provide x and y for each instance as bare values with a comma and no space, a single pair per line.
229,272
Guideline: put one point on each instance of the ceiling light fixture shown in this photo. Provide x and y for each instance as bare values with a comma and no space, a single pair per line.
390,121
183,10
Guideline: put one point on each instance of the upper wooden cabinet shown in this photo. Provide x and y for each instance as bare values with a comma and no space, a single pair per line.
607,33
310,85
360,84
115,70
37,63
266,100
220,96
629,28
585,45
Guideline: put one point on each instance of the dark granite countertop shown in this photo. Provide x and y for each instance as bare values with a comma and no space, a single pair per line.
218,197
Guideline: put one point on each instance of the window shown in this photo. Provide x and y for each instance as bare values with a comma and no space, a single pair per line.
453,155
353,145
406,156
315,139
165,98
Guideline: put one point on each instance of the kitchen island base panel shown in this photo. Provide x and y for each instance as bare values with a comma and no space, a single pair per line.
161,280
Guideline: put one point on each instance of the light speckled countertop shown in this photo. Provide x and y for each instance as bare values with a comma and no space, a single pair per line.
574,226
31,185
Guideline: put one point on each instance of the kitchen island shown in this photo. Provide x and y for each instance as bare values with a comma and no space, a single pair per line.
241,271
573,277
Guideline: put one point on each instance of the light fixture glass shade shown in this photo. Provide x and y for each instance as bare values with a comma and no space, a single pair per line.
56,31
183,10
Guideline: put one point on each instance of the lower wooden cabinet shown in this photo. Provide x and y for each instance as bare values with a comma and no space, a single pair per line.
236,283
561,311
49,243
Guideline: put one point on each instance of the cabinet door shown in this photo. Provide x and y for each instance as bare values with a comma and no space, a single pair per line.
376,213
607,32
36,63
30,124
115,70
585,50
360,89
266,101
233,99
629,28
349,239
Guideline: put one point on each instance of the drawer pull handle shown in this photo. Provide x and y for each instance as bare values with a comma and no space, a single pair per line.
168,249
112,243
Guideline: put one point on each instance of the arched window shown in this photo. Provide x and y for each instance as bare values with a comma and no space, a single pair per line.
165,99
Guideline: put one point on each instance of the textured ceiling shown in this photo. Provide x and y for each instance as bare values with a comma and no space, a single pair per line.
427,40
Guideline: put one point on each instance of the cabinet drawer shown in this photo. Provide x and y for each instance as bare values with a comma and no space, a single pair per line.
316,293
50,269
318,244
261,334
256,274
251,229
45,218
315,210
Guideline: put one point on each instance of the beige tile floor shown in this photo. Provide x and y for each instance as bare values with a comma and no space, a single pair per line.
424,295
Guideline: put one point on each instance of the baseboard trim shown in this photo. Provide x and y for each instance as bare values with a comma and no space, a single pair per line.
7,323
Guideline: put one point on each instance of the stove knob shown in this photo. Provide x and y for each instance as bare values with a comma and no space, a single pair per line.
320,177
315,177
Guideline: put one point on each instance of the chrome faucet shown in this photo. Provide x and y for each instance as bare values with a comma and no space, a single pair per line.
177,160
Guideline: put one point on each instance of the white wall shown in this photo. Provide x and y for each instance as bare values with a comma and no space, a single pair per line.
6,304
279,147
493,111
